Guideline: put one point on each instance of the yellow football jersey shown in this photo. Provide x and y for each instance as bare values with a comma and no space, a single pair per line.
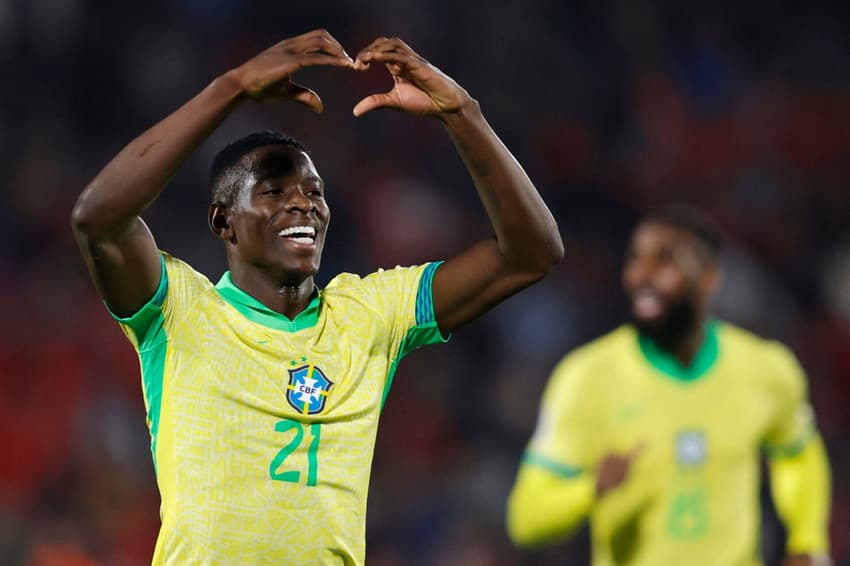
692,494
263,428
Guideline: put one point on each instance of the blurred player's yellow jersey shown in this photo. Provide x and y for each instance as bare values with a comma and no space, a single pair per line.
691,497
263,428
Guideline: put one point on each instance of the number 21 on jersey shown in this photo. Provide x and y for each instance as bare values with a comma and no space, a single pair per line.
278,470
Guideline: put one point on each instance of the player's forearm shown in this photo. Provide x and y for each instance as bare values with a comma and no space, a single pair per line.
526,231
801,487
544,507
139,172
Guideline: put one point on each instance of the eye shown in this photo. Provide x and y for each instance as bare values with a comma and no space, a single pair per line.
316,192
272,191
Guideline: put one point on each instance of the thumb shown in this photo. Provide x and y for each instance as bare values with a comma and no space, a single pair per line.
306,96
374,101
636,450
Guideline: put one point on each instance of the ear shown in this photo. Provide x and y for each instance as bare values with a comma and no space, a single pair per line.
218,222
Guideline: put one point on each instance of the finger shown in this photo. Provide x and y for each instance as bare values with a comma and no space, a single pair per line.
402,60
324,44
317,59
374,101
318,41
636,450
389,44
306,96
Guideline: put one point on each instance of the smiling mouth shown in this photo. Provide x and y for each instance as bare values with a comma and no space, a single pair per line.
305,235
647,304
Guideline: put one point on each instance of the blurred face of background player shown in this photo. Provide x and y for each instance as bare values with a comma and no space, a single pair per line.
669,276
278,216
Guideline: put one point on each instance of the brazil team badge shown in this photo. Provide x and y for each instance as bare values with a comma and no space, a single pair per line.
691,448
308,389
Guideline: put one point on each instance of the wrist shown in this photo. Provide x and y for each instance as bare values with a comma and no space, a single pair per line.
229,86
468,110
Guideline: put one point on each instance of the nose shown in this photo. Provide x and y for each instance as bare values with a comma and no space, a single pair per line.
638,273
297,201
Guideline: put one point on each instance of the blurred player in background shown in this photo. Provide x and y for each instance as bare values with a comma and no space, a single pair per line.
262,391
655,430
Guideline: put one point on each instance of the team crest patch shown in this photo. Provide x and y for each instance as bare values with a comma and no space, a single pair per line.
691,449
308,389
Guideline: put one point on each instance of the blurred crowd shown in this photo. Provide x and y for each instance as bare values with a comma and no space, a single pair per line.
613,106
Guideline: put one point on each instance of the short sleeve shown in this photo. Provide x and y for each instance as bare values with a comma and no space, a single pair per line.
179,285
403,297
567,437
793,424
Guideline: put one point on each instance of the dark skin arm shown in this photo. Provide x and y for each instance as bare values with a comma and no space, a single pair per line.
527,242
118,248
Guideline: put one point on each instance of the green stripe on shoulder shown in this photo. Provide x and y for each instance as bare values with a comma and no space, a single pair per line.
556,468
147,327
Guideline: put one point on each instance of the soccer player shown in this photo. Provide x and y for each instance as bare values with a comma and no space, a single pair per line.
655,429
263,392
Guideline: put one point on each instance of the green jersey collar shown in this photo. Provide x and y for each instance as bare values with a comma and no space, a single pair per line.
670,366
257,312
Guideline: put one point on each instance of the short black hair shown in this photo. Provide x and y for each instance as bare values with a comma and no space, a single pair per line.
692,220
222,186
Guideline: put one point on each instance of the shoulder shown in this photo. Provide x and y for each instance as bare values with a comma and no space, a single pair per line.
774,359
179,269
381,280
771,352
590,364
184,286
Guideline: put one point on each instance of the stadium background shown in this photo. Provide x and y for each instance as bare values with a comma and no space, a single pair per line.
612,106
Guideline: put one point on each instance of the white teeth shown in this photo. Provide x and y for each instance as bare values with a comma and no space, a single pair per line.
302,231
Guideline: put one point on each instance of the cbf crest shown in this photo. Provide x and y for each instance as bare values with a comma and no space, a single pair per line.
308,389
691,448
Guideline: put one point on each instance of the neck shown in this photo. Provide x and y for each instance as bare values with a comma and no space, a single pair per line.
287,295
684,345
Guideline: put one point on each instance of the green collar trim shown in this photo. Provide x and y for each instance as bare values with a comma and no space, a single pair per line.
257,312
671,367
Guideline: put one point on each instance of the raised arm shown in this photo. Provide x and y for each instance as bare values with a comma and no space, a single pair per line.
527,242
119,250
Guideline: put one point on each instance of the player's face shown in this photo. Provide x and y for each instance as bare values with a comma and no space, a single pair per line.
279,215
668,278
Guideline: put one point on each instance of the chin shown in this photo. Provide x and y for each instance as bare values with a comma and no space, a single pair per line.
671,325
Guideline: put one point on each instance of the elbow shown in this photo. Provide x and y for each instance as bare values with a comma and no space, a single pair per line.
549,255
84,220
555,249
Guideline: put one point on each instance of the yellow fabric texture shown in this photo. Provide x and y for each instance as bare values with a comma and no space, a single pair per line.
692,494
544,507
800,484
250,470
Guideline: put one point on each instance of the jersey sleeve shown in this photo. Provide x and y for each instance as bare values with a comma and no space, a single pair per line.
566,440
179,284
403,298
793,425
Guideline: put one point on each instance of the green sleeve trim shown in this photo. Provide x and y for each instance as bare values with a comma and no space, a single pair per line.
147,327
562,470
424,295
792,448
426,330
142,322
